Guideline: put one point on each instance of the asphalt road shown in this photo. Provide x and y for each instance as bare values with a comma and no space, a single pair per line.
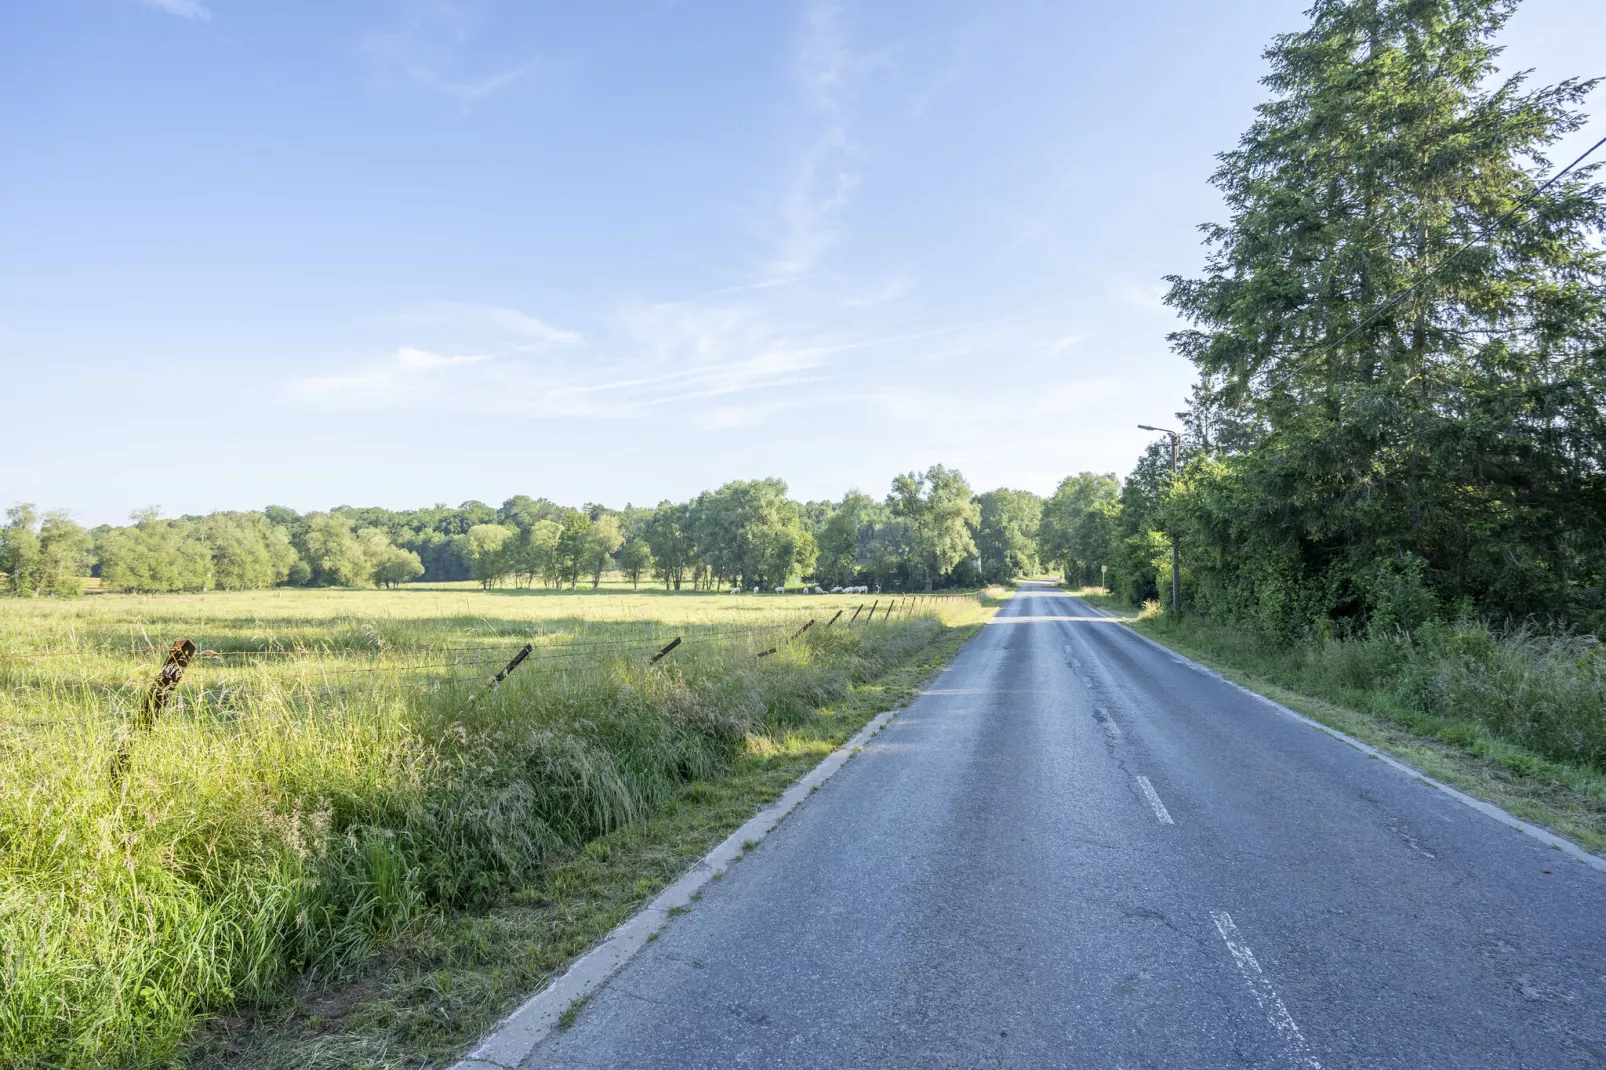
1074,851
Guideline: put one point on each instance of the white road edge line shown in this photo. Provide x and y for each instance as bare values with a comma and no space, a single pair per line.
517,1036
1154,801
1271,1004
1488,809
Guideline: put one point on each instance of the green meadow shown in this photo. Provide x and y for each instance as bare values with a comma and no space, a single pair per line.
334,771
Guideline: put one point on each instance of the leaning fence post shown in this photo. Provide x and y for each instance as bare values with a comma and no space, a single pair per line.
870,616
833,619
888,617
672,645
154,701
803,629
496,681
856,613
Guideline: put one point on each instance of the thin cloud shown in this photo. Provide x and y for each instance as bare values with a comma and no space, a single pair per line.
893,290
821,182
410,373
511,320
427,48
188,9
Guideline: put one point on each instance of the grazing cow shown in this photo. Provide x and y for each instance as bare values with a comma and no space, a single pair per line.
780,590
736,590
836,590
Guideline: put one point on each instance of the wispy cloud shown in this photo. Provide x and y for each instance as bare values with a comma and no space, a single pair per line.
691,357
427,47
492,326
408,375
821,181
1149,299
189,9
900,285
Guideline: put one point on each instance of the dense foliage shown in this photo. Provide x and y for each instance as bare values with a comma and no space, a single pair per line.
1363,462
1401,349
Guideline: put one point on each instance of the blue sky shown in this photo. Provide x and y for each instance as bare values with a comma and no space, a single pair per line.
396,252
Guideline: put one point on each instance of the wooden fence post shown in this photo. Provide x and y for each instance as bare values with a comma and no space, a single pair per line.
659,656
888,617
833,619
870,616
856,613
154,701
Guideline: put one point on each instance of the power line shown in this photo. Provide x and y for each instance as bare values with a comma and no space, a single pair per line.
1446,262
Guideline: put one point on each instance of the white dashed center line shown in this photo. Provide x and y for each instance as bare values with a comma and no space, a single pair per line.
1154,801
1282,1023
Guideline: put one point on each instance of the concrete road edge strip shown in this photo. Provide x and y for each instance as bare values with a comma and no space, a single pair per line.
518,1035
1488,809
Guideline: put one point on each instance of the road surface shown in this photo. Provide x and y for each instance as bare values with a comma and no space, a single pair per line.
1075,851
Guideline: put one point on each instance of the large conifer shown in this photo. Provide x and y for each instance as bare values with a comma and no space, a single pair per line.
1460,426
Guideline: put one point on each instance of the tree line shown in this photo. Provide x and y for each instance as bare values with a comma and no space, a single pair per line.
929,531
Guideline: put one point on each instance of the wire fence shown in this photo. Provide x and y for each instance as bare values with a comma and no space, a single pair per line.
547,653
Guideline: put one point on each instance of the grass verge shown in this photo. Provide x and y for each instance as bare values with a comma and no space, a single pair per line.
440,986
1569,798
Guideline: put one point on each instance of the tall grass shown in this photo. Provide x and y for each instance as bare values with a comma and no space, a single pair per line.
290,812
1469,683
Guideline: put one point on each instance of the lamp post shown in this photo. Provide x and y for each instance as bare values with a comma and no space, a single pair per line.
1176,583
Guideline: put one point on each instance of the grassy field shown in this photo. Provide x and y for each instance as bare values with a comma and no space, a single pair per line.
333,778
1515,718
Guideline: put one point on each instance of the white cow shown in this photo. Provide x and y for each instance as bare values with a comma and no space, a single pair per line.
780,590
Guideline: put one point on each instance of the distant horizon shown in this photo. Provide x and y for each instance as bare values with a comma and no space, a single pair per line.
494,503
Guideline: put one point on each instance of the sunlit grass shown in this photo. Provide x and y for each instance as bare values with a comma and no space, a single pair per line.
291,811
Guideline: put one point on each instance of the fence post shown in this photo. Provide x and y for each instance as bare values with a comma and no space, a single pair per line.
833,619
890,605
672,645
870,616
856,613
496,681
803,629
154,701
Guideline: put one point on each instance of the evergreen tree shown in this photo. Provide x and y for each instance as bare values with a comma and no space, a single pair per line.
1461,424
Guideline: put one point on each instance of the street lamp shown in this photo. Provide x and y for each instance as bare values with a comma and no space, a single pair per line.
1176,584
